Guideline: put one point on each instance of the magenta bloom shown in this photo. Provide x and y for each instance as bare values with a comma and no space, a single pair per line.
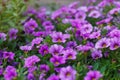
56,49
71,44
37,41
103,43
48,25
3,36
12,33
67,73
10,73
44,68
30,26
8,55
30,76
114,33
31,60
93,75
96,54
94,35
94,14
53,77
26,48
44,49
80,15
114,11
59,37
69,54
114,43
57,60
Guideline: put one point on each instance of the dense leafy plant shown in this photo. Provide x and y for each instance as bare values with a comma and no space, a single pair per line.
71,43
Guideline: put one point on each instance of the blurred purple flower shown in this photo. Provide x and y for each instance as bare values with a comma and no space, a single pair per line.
53,77
3,36
31,60
26,48
8,55
114,43
96,54
44,68
56,49
10,73
94,14
44,49
59,37
93,75
57,60
102,43
12,33
67,73
37,41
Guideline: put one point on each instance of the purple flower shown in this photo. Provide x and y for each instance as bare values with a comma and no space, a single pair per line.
114,33
53,77
80,15
10,73
44,49
94,14
94,35
1,71
48,25
31,60
114,11
93,75
44,68
57,60
26,48
59,37
69,54
102,43
96,54
12,33
86,28
37,41
74,4
30,26
114,43
71,44
30,76
3,36
56,49
32,69
67,73
8,55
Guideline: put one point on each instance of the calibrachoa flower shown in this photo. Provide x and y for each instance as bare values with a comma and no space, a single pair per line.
103,43
94,14
37,41
3,36
48,25
31,60
67,73
96,54
44,49
30,76
26,48
59,37
10,73
80,15
8,55
53,77
56,49
57,60
71,44
93,75
69,54
12,33
44,68
1,71
114,43
30,26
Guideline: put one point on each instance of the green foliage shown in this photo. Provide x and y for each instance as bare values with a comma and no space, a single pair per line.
11,14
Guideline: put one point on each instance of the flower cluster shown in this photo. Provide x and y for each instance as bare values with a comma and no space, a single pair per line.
71,43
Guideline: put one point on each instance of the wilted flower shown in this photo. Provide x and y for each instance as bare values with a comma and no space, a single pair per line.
10,73
67,73
56,49
103,43
57,60
93,75
31,60
59,37
12,33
